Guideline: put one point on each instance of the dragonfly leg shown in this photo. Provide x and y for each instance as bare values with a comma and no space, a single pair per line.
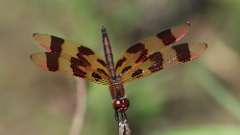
120,116
117,116
123,126
123,116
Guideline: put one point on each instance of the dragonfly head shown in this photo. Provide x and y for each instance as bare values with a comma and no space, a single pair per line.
121,104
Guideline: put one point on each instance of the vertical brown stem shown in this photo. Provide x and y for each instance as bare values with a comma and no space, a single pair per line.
78,118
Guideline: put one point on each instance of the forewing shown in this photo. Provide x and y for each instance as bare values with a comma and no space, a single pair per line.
70,58
138,51
164,58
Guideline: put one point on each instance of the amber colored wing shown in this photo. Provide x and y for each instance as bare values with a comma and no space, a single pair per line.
162,59
138,52
70,58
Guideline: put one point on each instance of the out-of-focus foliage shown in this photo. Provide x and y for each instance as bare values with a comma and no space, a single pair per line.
198,98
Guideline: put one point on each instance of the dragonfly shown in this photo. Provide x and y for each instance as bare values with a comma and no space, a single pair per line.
141,59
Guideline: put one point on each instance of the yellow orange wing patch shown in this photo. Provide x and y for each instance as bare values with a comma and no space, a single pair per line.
156,53
70,58
162,59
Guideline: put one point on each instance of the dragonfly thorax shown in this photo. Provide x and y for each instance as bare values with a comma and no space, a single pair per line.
121,104
119,100
117,89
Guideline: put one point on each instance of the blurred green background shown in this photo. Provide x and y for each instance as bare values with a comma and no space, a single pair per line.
198,98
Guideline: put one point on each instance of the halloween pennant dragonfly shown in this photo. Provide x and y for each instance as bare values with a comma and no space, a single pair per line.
143,58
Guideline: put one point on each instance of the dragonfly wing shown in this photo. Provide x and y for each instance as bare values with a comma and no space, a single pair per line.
164,58
70,58
138,51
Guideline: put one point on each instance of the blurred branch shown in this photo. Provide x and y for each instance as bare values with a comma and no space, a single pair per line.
224,66
219,92
78,118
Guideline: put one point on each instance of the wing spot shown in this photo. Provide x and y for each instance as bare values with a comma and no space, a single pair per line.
75,68
158,61
155,67
102,62
102,71
52,61
183,53
96,76
156,57
126,69
84,51
143,56
136,48
81,61
56,44
120,62
167,37
137,73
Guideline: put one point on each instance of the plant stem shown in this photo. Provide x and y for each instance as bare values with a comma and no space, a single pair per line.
78,118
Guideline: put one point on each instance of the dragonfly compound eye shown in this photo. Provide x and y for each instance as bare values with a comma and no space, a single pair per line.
121,105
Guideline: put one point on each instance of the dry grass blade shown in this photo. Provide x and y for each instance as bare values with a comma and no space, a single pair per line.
79,114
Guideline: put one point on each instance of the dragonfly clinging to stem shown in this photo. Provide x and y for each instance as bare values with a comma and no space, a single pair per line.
141,59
